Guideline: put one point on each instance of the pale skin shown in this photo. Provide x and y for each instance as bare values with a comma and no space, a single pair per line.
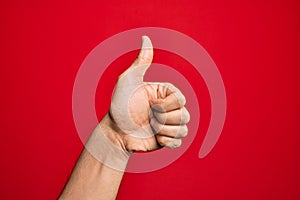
142,117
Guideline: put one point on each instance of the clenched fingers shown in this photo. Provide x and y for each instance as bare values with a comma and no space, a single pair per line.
169,130
174,117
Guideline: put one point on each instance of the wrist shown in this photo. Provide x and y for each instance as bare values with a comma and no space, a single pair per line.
113,132
107,146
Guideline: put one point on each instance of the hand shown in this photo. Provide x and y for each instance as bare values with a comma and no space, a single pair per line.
142,117
146,116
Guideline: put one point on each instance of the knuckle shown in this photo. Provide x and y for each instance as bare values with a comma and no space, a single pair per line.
185,118
181,100
183,132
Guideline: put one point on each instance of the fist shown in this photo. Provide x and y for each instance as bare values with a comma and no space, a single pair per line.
147,115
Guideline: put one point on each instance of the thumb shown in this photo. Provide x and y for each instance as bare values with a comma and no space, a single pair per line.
139,67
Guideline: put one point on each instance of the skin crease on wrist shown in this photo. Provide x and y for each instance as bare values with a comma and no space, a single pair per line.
142,117
113,132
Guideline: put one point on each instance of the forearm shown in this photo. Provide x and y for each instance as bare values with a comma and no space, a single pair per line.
97,174
92,180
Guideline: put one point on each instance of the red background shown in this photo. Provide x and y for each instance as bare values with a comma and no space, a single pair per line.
255,45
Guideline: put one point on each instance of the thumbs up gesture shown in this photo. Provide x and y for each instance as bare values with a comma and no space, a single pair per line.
146,115
143,116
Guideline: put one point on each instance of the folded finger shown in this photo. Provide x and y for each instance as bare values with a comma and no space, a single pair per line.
174,117
169,142
173,99
169,130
